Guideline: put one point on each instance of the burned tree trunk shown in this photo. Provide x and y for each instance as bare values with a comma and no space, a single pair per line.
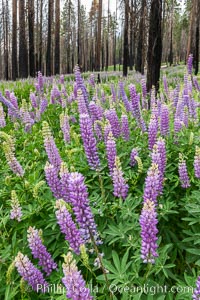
31,38
23,53
125,55
14,40
154,53
57,39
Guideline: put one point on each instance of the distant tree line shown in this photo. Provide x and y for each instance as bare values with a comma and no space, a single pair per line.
52,36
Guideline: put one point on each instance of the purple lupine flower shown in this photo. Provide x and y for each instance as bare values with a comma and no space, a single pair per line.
40,80
39,251
43,105
89,141
64,125
183,174
2,117
176,95
92,80
52,152
189,64
185,117
96,111
30,273
144,88
163,156
64,178
152,184
13,100
73,280
196,84
156,159
62,79
113,92
119,183
12,109
134,102
107,129
164,120
165,85
152,132
80,84
75,90
111,152
196,294
79,198
82,107
177,125
197,162
68,227
34,100
55,95
134,152
125,127
112,117
149,231
53,180
50,146
16,211
124,96
135,105
12,161
98,130
193,108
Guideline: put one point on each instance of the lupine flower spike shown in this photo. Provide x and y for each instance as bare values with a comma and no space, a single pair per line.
30,273
73,280
149,231
183,174
39,251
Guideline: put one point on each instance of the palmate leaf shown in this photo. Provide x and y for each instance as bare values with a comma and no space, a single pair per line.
117,270
117,232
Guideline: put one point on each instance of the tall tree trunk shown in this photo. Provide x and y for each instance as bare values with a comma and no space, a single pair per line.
40,39
171,35
98,64
14,40
31,38
125,54
139,66
23,53
6,60
79,35
154,54
48,54
131,36
196,33
57,39
107,38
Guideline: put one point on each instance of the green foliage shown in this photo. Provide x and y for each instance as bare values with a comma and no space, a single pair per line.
117,221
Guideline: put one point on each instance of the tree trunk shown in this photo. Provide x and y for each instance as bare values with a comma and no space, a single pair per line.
31,38
131,61
154,54
107,38
79,36
48,54
23,53
57,39
41,41
14,40
139,66
98,64
125,54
